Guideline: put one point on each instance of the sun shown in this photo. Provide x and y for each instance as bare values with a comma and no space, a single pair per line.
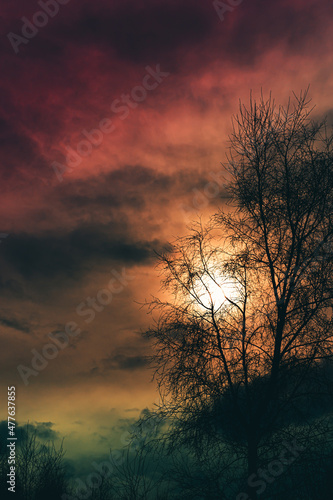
216,293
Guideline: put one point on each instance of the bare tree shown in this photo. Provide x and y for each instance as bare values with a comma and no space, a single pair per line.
241,345
40,468
139,471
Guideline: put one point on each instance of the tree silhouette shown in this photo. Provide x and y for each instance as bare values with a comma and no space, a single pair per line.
40,468
139,471
239,350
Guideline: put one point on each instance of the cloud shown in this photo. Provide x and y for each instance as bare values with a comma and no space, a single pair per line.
124,362
103,222
12,287
57,256
125,187
21,158
144,32
120,361
43,430
16,324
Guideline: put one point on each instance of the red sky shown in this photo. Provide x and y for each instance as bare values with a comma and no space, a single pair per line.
126,197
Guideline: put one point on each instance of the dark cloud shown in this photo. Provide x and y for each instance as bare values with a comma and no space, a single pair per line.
43,431
134,32
21,159
147,32
56,256
60,254
128,186
256,27
120,361
136,187
123,362
16,324
12,287
49,258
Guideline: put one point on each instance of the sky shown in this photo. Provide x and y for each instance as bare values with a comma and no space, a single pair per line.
114,127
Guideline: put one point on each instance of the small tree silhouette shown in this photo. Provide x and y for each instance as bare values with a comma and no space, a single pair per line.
40,468
139,471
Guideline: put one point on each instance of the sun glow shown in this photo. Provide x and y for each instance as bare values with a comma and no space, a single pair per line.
216,293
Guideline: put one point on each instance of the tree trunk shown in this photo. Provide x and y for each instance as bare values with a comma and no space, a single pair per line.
252,465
